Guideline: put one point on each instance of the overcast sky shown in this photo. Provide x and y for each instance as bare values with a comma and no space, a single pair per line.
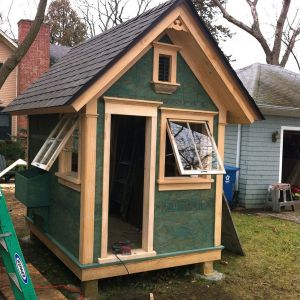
243,48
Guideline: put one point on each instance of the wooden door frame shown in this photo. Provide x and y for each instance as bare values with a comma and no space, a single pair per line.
282,130
142,108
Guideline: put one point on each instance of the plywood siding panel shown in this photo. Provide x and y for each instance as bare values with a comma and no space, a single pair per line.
9,90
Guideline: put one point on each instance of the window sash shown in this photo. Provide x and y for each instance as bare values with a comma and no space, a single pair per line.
55,142
193,148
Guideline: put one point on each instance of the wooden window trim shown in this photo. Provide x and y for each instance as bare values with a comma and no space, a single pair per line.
131,107
65,174
165,87
181,183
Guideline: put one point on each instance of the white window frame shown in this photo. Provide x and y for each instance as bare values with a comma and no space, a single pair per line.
45,157
181,169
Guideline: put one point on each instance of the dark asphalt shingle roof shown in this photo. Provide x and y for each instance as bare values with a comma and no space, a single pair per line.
86,62
271,85
67,78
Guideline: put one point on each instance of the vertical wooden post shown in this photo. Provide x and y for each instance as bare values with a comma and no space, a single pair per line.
149,183
105,189
88,181
219,181
90,289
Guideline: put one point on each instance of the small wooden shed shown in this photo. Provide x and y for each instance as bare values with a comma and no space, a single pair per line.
126,141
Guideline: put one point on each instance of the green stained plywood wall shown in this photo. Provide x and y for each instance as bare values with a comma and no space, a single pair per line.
184,220
61,218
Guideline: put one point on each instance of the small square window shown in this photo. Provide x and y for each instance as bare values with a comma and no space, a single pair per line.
164,68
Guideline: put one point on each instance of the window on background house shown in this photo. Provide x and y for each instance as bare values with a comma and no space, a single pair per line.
193,148
5,126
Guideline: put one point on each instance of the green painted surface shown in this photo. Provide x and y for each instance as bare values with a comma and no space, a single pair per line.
136,84
184,220
61,219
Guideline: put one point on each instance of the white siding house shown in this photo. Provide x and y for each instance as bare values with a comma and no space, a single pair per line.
261,159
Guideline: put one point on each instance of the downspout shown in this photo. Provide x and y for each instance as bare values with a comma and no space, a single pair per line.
238,155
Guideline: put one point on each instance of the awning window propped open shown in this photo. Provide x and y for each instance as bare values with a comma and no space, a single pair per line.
194,148
55,142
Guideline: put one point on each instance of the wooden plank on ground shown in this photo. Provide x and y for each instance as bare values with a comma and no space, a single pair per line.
230,238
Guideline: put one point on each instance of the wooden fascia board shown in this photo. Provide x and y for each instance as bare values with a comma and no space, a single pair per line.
219,67
44,110
126,61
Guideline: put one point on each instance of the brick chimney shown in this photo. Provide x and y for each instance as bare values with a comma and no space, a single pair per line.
35,62
37,59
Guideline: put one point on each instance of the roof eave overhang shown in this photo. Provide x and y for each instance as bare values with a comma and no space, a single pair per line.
275,110
43,111
8,41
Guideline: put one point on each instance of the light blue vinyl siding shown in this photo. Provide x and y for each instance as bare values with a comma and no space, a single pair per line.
260,157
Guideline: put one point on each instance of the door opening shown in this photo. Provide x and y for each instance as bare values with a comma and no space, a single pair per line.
291,157
126,182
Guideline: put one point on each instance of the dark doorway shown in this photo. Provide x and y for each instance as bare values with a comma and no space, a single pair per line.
291,157
127,155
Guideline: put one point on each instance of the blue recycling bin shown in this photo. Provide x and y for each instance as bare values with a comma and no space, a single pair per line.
229,182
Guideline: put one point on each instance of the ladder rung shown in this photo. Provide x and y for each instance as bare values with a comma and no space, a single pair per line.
3,235
3,244
14,279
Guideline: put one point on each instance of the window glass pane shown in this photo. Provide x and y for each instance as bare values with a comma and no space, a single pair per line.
185,145
164,68
204,146
5,128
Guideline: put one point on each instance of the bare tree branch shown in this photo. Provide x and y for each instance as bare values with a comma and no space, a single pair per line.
272,55
108,12
16,57
279,30
292,52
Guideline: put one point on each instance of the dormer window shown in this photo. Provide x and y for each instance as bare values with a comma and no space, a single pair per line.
165,68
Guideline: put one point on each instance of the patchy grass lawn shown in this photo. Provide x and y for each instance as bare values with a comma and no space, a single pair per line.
270,269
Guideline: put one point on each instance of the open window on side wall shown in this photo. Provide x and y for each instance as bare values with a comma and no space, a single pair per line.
188,152
194,148
55,142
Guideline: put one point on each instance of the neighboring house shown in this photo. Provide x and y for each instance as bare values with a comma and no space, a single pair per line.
126,127
268,151
8,125
33,65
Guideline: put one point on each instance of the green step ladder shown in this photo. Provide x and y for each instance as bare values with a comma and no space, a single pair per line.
12,257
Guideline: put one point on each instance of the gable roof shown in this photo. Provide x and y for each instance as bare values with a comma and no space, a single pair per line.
274,89
87,62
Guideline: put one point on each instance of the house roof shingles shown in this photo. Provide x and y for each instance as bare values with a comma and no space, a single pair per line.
65,79
271,85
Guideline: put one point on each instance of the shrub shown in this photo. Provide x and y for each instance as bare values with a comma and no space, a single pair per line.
11,150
